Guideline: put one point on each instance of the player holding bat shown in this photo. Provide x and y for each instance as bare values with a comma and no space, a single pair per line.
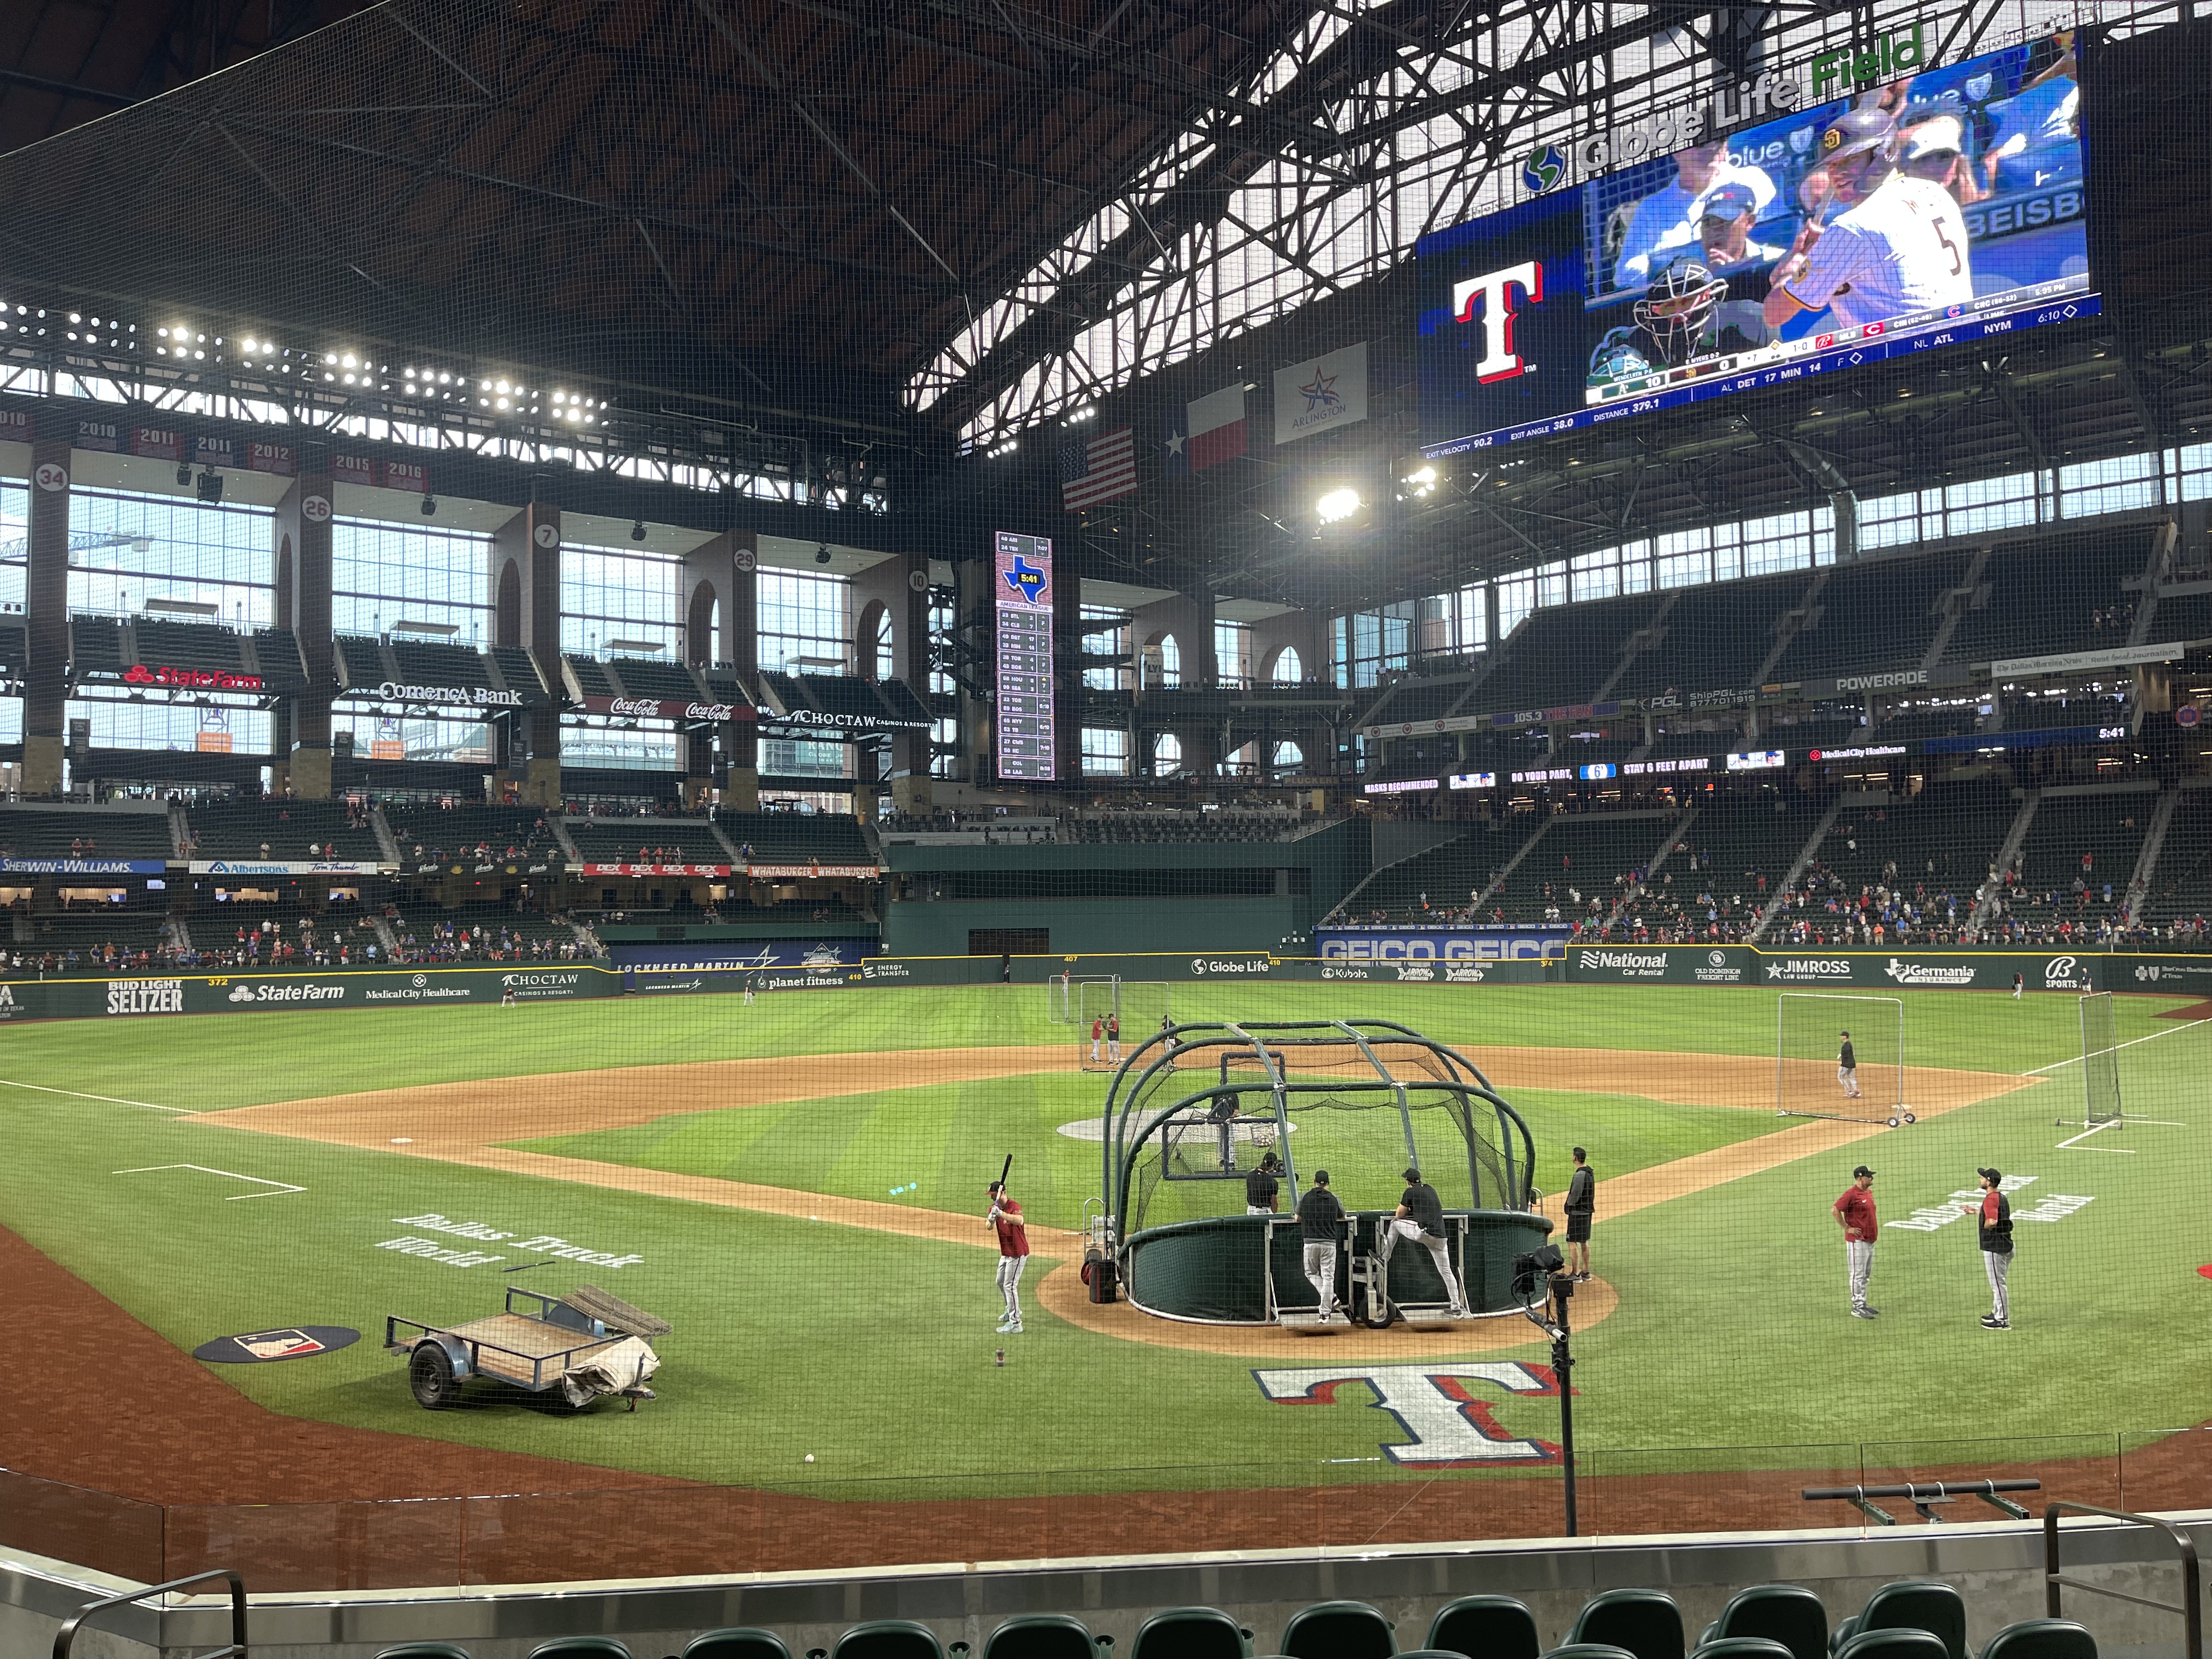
1898,244
1013,1249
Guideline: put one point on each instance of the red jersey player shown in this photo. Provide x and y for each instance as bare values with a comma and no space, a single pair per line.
1013,1255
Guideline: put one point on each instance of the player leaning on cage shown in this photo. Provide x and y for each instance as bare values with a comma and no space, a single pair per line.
1897,243
1013,1255
1420,1218
1320,1224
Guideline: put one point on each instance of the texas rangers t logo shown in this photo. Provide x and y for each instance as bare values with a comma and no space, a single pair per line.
1450,1426
1498,361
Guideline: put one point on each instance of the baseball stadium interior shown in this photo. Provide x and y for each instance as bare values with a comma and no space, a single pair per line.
1493,714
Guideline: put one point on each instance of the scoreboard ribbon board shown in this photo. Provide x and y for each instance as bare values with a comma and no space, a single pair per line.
1021,594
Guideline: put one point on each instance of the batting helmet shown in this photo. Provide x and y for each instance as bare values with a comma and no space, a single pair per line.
1675,308
1857,151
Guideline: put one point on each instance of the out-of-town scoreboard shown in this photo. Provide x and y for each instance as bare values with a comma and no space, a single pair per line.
1022,587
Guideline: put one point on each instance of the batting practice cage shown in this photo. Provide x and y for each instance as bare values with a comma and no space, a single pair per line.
1122,1011
2101,1062
1810,1031
1195,1111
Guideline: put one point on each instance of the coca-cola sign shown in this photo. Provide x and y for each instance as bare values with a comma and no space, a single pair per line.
190,679
668,708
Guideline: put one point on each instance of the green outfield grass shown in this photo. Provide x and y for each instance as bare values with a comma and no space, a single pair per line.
875,1352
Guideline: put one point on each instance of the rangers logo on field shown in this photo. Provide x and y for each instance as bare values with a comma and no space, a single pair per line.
1451,1428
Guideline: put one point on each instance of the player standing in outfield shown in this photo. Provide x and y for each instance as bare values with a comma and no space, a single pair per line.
1899,246
1855,1211
1097,1037
1581,1204
749,990
1013,1255
1321,1224
1421,1218
1261,1187
1847,1069
1995,1210
2019,982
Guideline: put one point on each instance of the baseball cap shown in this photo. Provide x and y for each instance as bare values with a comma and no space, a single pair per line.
1730,201
1861,1170
1989,1175
1412,1174
1321,1178
1944,134
996,1187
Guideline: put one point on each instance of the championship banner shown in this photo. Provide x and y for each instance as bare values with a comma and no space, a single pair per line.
809,872
654,869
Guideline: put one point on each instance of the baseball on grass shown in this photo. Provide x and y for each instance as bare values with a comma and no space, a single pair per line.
810,1457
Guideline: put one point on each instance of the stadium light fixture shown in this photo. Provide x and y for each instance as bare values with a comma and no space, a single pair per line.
1337,505
637,531
1420,482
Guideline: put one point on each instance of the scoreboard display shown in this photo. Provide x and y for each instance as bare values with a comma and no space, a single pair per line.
1021,594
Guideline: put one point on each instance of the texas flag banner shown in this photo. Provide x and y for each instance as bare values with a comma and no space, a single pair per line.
1322,394
1211,430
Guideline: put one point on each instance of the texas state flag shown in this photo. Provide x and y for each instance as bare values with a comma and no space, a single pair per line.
1209,431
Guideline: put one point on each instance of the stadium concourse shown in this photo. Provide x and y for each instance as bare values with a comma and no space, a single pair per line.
1286,828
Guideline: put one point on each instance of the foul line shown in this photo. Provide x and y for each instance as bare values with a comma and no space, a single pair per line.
2095,1129
281,1187
79,1093
2075,1059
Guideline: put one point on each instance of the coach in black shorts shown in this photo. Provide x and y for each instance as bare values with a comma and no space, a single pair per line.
1581,1204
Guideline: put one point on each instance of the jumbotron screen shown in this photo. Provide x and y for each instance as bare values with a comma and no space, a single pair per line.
1910,209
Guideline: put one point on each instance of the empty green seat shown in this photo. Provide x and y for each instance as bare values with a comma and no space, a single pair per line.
1339,1630
1590,1650
1897,1644
888,1638
1486,1627
424,1650
580,1647
2042,1638
1911,1604
737,1644
1646,1622
1741,1647
1190,1633
1788,1614
1042,1635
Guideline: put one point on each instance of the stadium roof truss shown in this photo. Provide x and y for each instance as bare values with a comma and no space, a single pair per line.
1368,123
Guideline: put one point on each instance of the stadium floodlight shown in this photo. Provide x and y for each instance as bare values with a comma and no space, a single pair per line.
1338,505
1421,481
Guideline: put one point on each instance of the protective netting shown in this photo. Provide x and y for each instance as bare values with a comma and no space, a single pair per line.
1839,1056
2100,1061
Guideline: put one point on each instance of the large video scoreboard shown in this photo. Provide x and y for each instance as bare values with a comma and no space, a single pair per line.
1022,592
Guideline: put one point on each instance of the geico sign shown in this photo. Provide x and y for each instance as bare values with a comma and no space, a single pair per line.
471,697
191,679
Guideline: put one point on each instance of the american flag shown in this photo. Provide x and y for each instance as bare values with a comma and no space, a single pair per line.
1098,469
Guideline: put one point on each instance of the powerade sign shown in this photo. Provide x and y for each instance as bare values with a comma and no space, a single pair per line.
1440,944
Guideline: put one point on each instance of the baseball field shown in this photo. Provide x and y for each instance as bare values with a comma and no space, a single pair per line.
798,1186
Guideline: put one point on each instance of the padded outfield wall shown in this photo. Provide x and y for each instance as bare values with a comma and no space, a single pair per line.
140,995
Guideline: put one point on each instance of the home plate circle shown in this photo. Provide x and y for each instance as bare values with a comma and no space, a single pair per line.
285,1342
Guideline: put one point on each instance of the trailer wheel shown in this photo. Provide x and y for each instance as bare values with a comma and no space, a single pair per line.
431,1378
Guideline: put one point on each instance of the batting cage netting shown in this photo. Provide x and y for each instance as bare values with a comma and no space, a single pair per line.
2101,1062
1839,1056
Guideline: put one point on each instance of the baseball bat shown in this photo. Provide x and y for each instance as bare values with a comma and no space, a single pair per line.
1004,1168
